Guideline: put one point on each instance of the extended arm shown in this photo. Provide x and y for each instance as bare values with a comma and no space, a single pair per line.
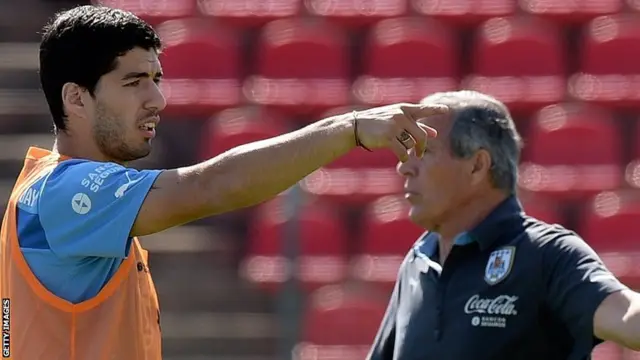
243,176
252,173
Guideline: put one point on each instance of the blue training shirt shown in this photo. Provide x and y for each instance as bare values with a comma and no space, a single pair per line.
74,224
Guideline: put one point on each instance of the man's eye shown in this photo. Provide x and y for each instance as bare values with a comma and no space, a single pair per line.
133,84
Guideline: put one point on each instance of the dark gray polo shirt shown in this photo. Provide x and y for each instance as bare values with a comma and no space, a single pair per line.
513,288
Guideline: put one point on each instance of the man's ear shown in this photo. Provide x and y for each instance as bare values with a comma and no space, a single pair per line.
481,166
72,95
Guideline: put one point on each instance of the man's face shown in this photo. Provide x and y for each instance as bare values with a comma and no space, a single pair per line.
438,183
124,110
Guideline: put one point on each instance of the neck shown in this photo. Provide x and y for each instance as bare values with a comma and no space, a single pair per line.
468,216
67,144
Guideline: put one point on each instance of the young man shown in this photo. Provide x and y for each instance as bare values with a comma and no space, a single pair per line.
489,282
74,279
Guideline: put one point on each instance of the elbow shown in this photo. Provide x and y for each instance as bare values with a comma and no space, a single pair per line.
618,319
631,340
631,334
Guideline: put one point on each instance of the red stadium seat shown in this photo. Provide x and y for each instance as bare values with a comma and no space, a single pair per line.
610,225
249,13
321,239
237,126
154,11
571,11
340,324
633,169
356,178
520,61
609,72
607,351
573,150
302,67
464,12
405,60
356,13
200,62
387,234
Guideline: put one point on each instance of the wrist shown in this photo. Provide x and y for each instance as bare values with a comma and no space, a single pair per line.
343,128
356,134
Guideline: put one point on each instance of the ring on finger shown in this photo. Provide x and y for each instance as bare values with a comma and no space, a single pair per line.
404,137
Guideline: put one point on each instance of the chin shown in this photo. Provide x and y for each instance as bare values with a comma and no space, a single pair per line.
143,153
419,217
425,217
132,154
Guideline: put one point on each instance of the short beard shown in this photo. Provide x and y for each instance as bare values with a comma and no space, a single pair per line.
109,133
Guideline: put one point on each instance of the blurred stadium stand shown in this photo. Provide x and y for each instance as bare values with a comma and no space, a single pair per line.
244,70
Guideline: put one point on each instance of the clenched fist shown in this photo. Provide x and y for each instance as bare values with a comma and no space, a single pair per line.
395,127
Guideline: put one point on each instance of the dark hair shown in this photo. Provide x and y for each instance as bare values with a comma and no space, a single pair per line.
482,122
82,44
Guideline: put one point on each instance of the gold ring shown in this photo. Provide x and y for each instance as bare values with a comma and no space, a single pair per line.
404,137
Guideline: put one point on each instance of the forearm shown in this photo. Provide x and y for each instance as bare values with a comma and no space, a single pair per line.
252,173
618,319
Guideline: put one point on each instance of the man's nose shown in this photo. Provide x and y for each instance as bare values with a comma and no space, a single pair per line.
157,102
407,168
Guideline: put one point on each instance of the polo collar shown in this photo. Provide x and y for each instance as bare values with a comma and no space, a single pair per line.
500,220
486,233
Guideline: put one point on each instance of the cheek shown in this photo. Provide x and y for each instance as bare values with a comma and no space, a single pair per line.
442,179
435,170
124,102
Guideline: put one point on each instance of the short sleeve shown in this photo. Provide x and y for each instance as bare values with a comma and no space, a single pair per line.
88,208
577,282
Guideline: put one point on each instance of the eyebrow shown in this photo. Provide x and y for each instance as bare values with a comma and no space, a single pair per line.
141,75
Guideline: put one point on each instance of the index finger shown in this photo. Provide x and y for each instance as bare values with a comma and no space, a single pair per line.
418,131
418,111
431,132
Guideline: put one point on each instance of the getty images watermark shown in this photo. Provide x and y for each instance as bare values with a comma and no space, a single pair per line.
6,328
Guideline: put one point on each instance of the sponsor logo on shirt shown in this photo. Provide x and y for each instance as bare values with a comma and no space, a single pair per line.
491,312
81,203
122,189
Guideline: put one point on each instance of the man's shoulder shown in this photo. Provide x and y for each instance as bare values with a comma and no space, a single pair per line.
79,183
542,234
88,176
77,168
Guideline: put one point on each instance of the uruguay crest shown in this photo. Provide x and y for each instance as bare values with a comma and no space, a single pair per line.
499,264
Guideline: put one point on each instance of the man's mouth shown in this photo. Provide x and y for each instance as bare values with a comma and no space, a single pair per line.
148,126
148,129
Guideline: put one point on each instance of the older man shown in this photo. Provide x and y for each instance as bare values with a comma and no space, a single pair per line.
488,281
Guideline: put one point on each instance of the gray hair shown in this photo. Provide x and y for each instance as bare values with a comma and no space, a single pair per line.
482,122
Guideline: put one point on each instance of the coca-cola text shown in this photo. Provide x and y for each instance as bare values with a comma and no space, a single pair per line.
501,305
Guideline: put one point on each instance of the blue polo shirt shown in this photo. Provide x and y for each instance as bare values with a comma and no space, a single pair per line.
74,224
512,288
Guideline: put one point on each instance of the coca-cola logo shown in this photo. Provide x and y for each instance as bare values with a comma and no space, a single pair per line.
501,305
